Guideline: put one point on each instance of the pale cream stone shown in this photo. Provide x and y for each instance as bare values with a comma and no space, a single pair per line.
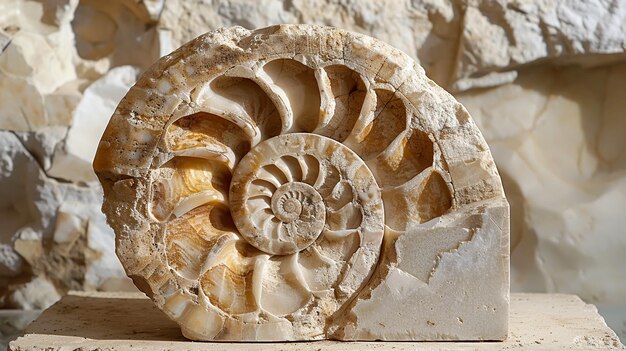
37,294
462,44
567,233
36,61
302,182
51,110
89,119
557,135
126,321
51,229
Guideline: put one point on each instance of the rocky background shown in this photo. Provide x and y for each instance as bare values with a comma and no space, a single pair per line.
544,79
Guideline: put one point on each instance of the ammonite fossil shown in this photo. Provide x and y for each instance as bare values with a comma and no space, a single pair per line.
256,180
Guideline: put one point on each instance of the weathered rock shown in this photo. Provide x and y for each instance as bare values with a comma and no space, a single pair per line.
443,281
51,229
252,178
461,44
118,33
50,204
525,47
37,294
124,322
36,62
13,323
557,137
72,161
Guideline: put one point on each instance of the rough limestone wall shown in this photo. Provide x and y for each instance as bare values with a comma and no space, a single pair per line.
544,80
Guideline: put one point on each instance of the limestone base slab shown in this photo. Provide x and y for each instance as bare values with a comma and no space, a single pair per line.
130,321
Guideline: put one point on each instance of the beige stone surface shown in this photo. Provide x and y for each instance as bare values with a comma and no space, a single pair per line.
557,137
443,282
55,101
550,109
461,43
125,321
275,184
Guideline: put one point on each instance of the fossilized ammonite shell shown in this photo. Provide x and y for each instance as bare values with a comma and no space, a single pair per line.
251,176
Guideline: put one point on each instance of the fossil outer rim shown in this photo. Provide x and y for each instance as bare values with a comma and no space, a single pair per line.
131,152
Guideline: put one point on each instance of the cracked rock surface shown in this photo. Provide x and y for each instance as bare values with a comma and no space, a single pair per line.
542,79
303,182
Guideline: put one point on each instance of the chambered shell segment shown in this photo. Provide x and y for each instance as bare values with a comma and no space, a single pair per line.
291,188
251,176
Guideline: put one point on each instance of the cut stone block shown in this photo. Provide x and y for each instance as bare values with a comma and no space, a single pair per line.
301,182
129,321
444,281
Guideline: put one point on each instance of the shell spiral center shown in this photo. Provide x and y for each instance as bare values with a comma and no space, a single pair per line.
297,201
290,189
301,212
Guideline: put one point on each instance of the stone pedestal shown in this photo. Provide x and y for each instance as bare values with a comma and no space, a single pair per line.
130,321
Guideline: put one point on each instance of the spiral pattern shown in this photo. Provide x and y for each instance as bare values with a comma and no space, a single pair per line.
287,188
265,175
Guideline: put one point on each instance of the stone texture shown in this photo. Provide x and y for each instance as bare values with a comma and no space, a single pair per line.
99,99
54,236
461,43
568,210
530,52
13,323
251,178
120,322
408,304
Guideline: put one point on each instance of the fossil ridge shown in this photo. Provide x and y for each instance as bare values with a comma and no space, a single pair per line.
301,182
